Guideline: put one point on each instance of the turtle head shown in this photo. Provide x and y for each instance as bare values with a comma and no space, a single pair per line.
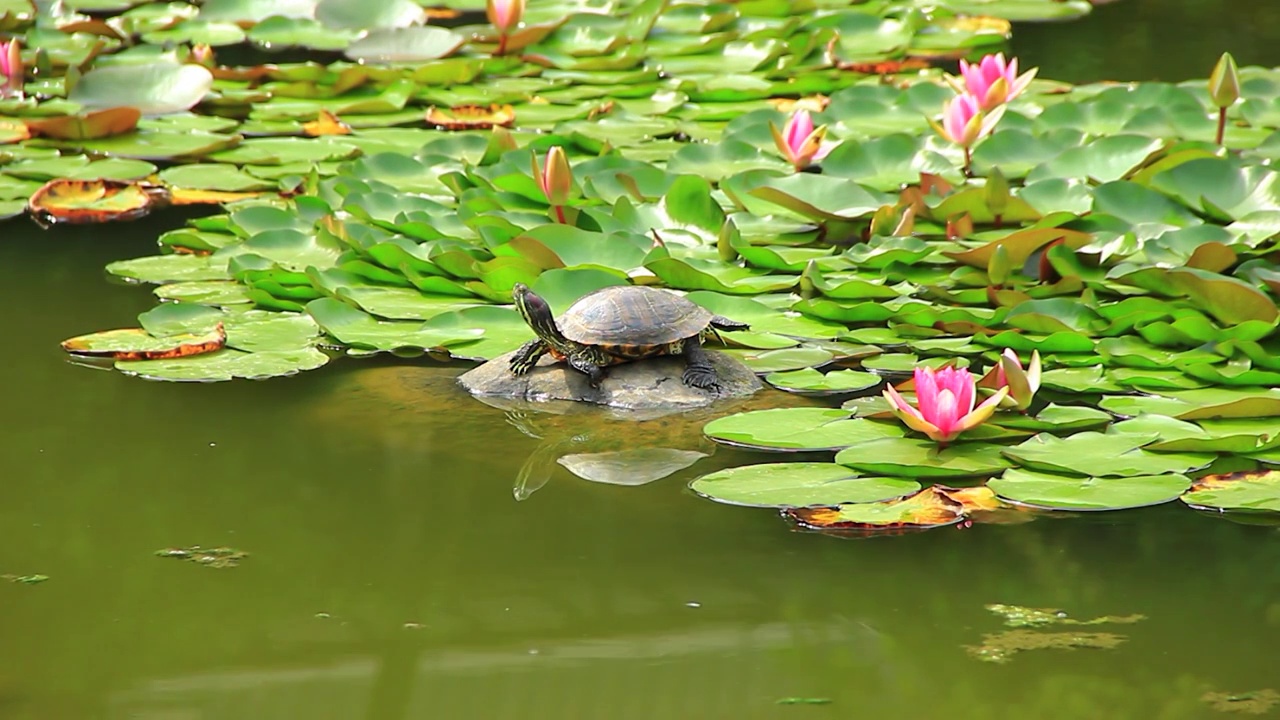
537,313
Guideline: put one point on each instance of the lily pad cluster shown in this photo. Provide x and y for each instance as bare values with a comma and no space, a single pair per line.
110,83
1063,458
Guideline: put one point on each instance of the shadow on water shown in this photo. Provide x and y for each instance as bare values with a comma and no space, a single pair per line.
397,570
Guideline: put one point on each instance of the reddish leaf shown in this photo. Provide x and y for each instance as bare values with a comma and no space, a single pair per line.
87,126
472,117
326,124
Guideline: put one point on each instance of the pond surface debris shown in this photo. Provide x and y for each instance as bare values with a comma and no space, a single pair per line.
25,579
1001,647
1017,616
218,557
1254,702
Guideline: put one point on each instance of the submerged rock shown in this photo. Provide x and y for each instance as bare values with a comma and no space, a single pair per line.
652,383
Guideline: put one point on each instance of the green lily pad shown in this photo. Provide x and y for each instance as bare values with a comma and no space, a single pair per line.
808,381
801,484
153,89
797,429
1102,455
906,457
227,365
359,330
1062,492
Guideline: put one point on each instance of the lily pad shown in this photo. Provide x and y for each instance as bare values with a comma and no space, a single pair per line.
1065,492
800,484
1245,491
797,429
1102,455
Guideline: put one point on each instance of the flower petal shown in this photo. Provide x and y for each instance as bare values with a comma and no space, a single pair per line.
948,414
982,413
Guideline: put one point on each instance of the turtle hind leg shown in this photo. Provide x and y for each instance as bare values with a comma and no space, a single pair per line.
527,356
595,374
698,370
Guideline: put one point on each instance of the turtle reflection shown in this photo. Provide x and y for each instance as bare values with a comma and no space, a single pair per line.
606,449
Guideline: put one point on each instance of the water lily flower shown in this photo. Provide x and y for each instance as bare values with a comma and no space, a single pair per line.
964,123
1022,384
1224,90
505,16
555,179
992,81
11,69
945,400
799,141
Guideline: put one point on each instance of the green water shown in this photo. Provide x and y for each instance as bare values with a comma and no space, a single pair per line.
393,574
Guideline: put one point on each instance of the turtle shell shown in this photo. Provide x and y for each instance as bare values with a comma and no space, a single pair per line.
632,315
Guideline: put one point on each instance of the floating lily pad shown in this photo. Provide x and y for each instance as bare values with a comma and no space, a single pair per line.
151,89
926,509
797,429
226,365
797,485
812,382
1067,492
1257,491
906,457
1102,455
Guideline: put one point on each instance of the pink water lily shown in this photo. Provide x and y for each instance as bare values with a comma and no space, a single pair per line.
992,81
964,123
505,16
1009,373
799,141
555,179
11,69
945,400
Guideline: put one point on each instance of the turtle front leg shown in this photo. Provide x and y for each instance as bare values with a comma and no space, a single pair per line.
585,365
698,371
527,356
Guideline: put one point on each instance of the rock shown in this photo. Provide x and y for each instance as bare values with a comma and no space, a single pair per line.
652,383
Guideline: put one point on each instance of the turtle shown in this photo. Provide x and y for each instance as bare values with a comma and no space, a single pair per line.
619,324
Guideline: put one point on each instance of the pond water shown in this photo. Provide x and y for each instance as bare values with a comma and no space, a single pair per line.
392,573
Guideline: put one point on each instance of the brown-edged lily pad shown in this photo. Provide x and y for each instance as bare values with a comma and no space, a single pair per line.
138,344
472,117
1252,491
926,509
93,201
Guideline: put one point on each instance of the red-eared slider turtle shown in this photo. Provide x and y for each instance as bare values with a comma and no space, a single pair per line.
620,324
